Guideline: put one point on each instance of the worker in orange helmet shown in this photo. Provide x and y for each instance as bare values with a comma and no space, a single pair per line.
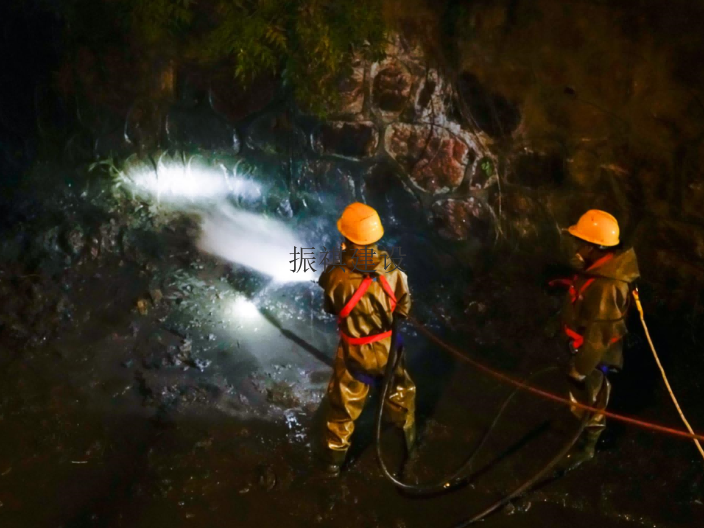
365,292
593,319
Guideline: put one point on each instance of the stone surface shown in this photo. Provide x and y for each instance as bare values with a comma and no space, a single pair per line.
143,126
483,173
492,112
434,157
345,139
391,88
275,134
383,189
200,127
523,216
236,102
352,90
537,169
325,182
461,219
432,98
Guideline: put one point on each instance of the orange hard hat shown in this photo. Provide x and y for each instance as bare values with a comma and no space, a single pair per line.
360,224
597,227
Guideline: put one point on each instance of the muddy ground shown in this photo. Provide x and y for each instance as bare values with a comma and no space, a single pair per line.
138,388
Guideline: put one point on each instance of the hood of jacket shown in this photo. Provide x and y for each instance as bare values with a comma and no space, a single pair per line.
623,267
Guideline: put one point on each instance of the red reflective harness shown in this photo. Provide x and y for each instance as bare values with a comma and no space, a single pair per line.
575,295
345,312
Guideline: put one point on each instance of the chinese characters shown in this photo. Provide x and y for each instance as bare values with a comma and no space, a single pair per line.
363,260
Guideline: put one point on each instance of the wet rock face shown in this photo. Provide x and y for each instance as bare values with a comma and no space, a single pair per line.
235,102
344,139
383,189
325,182
536,170
275,135
392,87
523,214
351,90
143,126
493,113
435,158
461,219
188,128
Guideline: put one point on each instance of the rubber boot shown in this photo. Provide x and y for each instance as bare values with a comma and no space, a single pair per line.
410,442
409,435
331,464
583,451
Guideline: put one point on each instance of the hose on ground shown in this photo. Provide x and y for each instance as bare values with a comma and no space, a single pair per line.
460,476
531,481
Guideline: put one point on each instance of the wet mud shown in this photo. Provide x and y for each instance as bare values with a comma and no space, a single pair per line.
145,384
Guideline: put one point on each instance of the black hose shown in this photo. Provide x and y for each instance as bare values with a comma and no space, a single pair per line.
460,476
531,481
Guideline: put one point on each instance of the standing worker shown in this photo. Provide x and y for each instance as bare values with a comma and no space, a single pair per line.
593,319
366,291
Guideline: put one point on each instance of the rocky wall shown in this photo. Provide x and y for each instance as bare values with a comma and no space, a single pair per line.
550,109
595,104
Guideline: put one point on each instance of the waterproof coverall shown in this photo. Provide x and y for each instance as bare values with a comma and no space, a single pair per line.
595,309
356,365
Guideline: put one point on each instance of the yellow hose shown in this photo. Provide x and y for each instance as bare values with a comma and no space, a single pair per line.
636,296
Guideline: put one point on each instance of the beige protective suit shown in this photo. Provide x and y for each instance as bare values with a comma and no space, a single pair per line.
346,394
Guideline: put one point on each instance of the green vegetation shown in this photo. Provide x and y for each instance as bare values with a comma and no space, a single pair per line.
309,43
487,166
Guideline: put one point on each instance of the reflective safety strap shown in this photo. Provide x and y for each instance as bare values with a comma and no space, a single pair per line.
575,295
364,340
561,282
389,291
353,302
577,339
603,260
355,298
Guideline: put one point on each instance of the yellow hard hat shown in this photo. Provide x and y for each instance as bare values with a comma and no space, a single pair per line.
597,227
360,224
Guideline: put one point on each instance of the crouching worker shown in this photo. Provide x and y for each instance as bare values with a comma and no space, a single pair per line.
593,318
366,291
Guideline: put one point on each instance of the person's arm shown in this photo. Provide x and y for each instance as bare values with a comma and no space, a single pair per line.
403,295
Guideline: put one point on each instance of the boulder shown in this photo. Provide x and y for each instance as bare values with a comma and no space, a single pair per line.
351,90
462,219
434,157
391,87
345,139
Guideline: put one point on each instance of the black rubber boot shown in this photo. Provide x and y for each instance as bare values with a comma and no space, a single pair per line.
330,465
582,452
